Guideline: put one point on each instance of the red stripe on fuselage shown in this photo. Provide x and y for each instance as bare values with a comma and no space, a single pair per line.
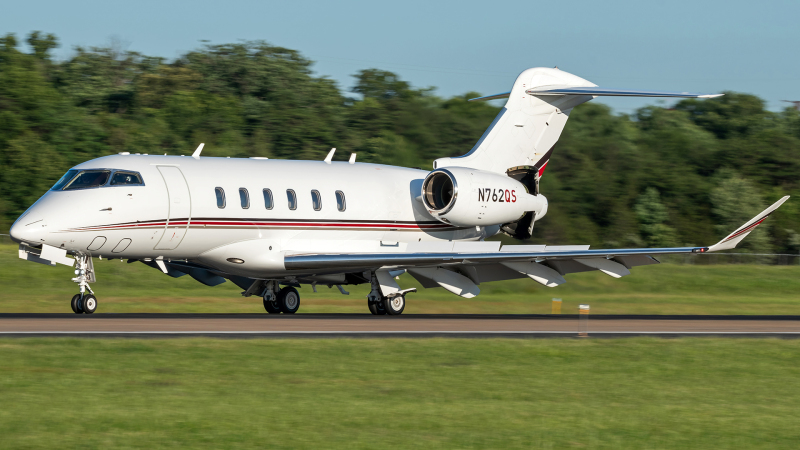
268,224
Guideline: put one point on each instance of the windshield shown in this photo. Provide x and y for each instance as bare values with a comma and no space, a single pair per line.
88,179
65,179
83,179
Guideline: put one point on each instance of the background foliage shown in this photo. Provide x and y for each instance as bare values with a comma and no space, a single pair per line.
686,175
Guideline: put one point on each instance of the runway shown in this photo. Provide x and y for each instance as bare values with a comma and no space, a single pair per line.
362,325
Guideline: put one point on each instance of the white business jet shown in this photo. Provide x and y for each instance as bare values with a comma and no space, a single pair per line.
270,226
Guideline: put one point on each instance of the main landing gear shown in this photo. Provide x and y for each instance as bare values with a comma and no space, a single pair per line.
286,300
392,304
83,303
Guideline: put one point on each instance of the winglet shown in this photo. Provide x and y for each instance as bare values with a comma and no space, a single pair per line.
330,156
734,238
196,154
352,158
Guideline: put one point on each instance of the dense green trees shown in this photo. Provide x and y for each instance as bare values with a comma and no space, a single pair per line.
663,176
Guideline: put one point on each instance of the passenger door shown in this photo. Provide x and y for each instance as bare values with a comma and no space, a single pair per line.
179,211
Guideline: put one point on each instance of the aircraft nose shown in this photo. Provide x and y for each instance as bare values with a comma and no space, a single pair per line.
28,229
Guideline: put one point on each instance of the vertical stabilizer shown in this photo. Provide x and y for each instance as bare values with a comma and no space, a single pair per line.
520,140
523,134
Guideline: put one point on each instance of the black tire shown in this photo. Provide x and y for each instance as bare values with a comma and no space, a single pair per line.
89,304
394,306
288,300
376,308
272,307
74,304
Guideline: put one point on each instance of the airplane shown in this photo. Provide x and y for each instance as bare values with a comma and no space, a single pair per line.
270,226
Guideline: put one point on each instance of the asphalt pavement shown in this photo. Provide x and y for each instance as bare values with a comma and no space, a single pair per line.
363,325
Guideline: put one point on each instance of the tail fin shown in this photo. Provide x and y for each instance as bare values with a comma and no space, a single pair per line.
520,140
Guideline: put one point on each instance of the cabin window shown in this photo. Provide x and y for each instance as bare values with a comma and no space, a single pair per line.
88,179
126,179
244,197
316,200
267,199
292,199
220,197
340,204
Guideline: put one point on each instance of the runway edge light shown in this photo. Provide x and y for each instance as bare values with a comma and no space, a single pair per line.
583,321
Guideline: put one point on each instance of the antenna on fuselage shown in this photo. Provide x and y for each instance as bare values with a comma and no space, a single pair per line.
330,155
196,154
352,158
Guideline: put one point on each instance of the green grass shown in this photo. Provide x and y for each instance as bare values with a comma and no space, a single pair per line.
395,393
658,289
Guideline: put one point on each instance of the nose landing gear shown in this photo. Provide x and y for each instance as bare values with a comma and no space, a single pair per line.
83,303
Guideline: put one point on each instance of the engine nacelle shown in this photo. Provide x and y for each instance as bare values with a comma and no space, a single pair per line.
469,197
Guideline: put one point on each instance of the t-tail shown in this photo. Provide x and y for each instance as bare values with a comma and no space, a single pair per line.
520,140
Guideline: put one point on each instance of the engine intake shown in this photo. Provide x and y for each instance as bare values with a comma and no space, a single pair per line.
439,191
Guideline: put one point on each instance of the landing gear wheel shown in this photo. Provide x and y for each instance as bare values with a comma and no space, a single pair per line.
272,307
88,304
395,305
376,308
75,303
288,300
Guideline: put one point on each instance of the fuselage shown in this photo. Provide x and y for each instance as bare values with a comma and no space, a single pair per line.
176,213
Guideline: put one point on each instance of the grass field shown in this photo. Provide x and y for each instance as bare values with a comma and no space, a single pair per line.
658,289
394,393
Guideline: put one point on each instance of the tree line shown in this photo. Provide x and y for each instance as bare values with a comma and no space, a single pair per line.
686,175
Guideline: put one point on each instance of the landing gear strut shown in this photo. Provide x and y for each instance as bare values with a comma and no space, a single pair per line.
83,303
271,297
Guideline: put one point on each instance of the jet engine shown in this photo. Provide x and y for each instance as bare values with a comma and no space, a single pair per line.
468,197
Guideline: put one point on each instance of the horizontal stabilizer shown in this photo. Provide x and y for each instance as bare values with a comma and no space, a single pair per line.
734,238
490,97
610,92
598,92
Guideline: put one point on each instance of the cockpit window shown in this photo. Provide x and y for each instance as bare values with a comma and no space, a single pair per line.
65,179
83,179
126,179
88,179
